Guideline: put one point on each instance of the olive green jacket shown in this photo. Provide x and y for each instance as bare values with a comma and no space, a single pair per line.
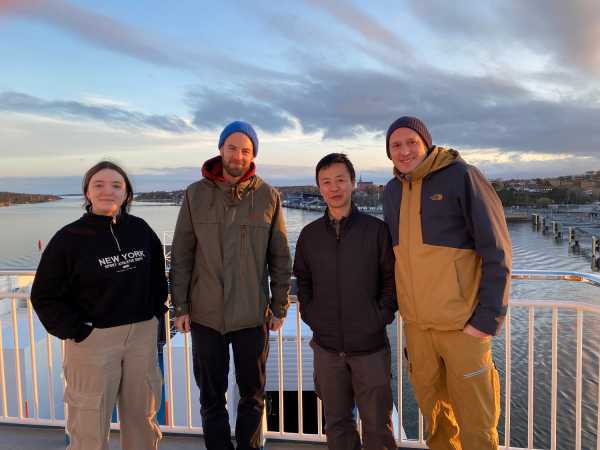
229,240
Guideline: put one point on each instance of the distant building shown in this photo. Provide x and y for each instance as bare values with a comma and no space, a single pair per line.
363,186
587,185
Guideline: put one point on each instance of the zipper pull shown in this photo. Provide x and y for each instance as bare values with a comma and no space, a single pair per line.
114,236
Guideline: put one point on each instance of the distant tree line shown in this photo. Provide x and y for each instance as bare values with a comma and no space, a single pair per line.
160,196
557,195
14,198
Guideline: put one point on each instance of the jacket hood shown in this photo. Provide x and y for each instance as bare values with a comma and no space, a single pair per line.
437,159
212,169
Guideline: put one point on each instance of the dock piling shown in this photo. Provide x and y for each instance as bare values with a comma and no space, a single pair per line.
595,253
544,226
556,230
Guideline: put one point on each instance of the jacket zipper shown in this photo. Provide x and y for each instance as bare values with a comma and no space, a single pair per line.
114,237
244,232
410,239
339,300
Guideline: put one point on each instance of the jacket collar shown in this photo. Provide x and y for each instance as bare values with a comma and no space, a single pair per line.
436,159
345,223
96,219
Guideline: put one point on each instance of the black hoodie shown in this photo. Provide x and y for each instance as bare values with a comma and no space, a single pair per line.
98,274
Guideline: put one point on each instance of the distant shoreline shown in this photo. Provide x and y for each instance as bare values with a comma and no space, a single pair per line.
14,198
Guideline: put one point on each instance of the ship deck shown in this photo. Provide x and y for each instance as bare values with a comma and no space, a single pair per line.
22,437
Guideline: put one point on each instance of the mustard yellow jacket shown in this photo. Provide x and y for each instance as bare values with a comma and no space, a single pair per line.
451,242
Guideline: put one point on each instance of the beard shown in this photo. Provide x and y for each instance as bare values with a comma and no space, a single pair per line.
235,172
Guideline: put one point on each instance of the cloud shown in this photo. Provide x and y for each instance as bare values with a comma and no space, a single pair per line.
106,32
463,111
567,31
212,109
361,22
119,117
98,29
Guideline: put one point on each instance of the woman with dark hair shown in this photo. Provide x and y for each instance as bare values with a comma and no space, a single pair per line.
101,286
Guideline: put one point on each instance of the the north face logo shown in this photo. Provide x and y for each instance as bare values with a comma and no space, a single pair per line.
437,197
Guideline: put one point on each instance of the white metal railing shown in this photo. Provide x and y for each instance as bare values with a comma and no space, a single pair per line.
22,404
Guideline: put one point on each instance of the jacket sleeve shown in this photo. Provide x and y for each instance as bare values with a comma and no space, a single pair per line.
303,279
183,250
485,217
160,287
50,295
279,263
387,282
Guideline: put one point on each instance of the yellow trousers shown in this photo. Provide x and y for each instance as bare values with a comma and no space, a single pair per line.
457,388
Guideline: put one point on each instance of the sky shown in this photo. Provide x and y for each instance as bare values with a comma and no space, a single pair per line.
513,85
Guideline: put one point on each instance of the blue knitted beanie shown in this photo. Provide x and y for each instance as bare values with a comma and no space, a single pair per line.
239,127
408,122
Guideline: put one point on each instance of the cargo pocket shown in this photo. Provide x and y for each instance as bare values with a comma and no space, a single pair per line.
154,382
85,421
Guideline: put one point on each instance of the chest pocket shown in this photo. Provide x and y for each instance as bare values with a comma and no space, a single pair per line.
442,220
254,234
438,203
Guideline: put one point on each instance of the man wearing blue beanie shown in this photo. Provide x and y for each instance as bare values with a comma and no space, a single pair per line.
453,263
239,127
230,279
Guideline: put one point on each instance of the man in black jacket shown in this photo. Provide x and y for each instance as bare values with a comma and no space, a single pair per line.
345,269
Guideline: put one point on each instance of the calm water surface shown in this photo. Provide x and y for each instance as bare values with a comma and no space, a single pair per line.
21,227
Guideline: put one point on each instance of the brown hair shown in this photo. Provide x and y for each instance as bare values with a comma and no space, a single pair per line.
112,166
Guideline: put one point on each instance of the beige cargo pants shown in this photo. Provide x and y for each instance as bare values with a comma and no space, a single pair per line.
457,388
117,363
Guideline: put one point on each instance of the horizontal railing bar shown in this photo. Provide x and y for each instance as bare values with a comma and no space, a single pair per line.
21,295
558,275
587,307
517,274
513,303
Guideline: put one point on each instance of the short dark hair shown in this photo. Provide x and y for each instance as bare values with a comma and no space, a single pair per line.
112,166
335,158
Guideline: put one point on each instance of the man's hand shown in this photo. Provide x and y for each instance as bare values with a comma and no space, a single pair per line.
472,331
182,323
275,324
